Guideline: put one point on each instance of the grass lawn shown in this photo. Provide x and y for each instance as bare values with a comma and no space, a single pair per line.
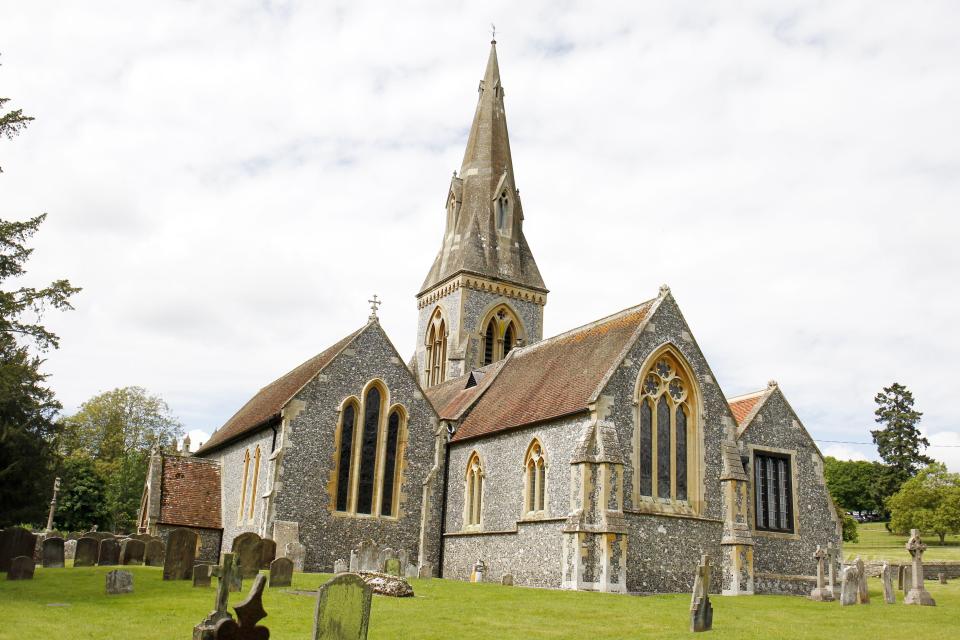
876,543
446,609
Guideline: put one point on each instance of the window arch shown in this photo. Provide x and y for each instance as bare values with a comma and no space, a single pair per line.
667,439
503,208
344,445
535,476
436,349
243,484
391,462
473,492
256,480
501,332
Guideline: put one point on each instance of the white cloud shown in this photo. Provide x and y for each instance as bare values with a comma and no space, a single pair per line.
842,452
229,183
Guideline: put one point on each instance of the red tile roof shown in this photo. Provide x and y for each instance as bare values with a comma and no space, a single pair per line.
743,406
453,397
190,494
269,401
555,377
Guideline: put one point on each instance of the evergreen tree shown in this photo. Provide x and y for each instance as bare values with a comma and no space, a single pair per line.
899,441
82,501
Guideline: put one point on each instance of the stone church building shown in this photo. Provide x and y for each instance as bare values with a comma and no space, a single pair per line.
605,458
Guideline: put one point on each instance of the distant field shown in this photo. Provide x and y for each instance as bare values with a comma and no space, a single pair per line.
876,543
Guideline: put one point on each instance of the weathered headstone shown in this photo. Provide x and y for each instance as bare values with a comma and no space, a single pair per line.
479,568
109,553
281,572
98,535
886,576
411,572
507,580
701,611
426,570
392,567
354,561
849,586
268,551
51,557
87,550
131,551
225,574
119,581
832,583
21,568
821,593
285,531
182,545
404,559
369,554
142,537
296,552
201,575
917,594
249,613
900,578
15,542
69,549
340,566
943,577
863,596
343,609
154,553
248,549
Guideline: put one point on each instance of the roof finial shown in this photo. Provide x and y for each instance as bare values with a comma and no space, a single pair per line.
493,33
374,303
771,384
664,290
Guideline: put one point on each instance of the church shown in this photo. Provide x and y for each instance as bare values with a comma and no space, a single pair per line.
605,458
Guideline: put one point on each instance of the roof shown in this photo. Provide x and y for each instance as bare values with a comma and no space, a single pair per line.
270,400
555,377
190,494
743,406
453,397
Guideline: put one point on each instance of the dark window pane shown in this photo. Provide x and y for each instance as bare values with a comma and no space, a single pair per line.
681,454
663,448
532,486
646,444
771,494
774,492
390,464
542,479
759,492
488,345
346,450
508,340
368,451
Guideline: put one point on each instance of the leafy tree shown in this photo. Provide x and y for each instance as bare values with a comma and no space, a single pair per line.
850,531
856,485
930,501
899,441
82,500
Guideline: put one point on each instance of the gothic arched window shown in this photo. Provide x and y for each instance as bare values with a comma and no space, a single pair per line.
390,467
243,484
256,480
535,477
473,492
436,349
369,435
501,333
503,206
348,417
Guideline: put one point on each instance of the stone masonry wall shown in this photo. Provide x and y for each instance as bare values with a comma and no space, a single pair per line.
477,304
231,474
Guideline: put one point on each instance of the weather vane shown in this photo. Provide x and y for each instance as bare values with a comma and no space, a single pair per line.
374,303
493,32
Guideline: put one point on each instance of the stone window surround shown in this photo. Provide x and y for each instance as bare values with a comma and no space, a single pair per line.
792,454
693,505
436,340
243,485
472,497
380,456
540,497
510,317
257,457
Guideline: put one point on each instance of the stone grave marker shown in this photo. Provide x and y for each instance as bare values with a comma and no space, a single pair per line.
411,572
180,555
86,554
285,531
268,551
69,549
52,556
281,572
340,566
343,609
849,586
886,576
832,583
249,613
21,568
227,574
15,542
404,557
119,581
900,578
109,553
142,537
701,611
201,575
248,551
354,561
369,556
943,577
98,535
426,570
131,551
821,593
154,553
917,594
392,566
507,580
863,596
296,552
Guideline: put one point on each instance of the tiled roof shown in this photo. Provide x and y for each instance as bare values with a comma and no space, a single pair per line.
453,397
269,401
191,492
746,406
552,378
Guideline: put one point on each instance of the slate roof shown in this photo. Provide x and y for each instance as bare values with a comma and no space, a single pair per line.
552,378
270,400
190,494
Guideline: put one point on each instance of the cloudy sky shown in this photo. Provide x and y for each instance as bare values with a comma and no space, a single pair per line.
229,182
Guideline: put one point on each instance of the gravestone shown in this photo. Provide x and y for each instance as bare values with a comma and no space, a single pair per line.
849,586
296,552
340,566
225,573
411,572
701,611
426,570
119,581
154,553
201,575
833,558
343,609
281,572
917,594
284,532
51,556
943,577
900,578
98,535
131,551
269,553
142,537
404,559
249,613
87,550
69,549
181,552
507,580
392,567
248,551
109,553
821,593
863,596
21,568
15,542
354,561
476,575
886,576
369,555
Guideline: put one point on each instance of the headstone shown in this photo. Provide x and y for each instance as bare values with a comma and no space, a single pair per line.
284,532
98,535
182,545
411,572
917,594
943,577
225,573
340,566
109,554
15,542
404,559
392,567
201,575
426,570
51,556
369,554
821,593
354,561
131,551
248,549
832,583
507,580
142,537
849,586
296,552
69,549
907,579
281,572
269,553
21,568
886,576
343,609
87,550
863,596
249,613
900,578
119,581
701,611
476,575
154,553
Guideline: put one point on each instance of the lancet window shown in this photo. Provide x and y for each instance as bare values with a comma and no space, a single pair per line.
243,484
503,207
535,477
473,492
436,349
256,481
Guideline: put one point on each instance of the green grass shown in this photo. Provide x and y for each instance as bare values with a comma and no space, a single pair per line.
876,543
447,609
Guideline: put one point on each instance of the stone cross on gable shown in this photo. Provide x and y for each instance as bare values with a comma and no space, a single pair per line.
375,303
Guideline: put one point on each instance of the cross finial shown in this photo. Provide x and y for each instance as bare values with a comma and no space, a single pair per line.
375,302
493,33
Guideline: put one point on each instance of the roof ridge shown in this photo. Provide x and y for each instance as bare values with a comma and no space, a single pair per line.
745,396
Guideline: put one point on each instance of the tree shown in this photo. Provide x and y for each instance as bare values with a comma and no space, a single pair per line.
930,501
899,441
82,501
855,484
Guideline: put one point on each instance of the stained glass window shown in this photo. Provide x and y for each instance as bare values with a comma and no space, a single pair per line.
663,448
646,449
390,464
368,451
681,447
345,457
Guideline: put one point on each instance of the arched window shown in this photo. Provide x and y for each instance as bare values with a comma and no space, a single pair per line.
666,423
256,480
473,492
390,467
501,333
348,417
368,450
489,340
535,479
243,484
503,206
436,349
